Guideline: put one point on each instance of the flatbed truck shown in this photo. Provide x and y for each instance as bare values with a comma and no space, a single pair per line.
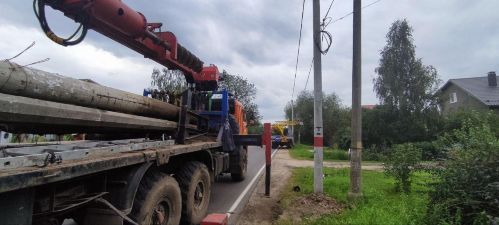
148,161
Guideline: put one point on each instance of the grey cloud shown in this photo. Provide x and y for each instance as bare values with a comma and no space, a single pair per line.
258,39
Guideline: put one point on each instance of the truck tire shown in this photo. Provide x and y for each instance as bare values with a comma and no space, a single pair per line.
158,201
239,158
239,164
195,184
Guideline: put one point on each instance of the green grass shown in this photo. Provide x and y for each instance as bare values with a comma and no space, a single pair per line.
380,204
305,152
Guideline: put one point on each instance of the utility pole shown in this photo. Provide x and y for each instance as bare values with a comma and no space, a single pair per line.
292,119
318,135
356,143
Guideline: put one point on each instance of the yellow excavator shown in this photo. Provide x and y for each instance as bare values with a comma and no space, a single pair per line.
281,135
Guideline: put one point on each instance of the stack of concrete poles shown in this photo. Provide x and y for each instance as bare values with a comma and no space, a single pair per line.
42,102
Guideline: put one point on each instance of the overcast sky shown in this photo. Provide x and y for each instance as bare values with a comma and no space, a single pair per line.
258,39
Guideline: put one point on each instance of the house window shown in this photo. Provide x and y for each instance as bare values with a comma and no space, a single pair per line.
453,97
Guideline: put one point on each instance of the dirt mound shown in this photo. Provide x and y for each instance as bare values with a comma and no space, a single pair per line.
311,206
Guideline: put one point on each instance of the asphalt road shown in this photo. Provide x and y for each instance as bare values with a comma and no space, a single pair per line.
225,192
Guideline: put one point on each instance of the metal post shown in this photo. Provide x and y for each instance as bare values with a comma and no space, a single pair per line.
292,119
299,135
268,155
356,146
318,135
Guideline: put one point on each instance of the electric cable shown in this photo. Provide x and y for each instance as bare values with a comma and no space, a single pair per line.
350,13
20,53
309,71
39,10
298,54
327,13
325,35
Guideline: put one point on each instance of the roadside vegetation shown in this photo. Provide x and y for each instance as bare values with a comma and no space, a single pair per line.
381,204
457,184
462,188
305,152
466,190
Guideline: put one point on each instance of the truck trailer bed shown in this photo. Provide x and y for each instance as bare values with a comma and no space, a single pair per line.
37,165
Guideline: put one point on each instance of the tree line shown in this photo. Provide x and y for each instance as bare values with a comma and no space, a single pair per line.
406,89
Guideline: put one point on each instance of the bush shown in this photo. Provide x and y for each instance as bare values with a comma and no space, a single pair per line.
68,137
373,153
400,163
255,129
429,151
337,154
467,188
455,120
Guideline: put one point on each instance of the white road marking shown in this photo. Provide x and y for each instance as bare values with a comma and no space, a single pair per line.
241,196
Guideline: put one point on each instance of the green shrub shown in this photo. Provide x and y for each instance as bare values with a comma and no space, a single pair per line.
336,154
68,137
466,190
373,153
38,138
455,120
400,163
429,151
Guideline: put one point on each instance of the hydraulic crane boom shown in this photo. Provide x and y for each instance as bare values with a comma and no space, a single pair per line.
114,19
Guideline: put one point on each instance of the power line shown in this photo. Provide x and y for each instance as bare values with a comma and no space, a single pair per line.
350,13
327,13
309,71
325,23
298,54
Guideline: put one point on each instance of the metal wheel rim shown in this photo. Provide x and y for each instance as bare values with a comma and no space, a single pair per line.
199,194
161,213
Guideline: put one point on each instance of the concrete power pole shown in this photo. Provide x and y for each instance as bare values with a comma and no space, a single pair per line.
292,134
356,143
318,135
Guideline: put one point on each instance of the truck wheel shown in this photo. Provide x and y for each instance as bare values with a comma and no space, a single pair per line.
239,164
158,201
195,183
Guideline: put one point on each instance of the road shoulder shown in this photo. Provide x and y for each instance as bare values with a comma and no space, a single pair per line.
264,210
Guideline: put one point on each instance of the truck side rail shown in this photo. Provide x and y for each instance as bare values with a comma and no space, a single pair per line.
95,161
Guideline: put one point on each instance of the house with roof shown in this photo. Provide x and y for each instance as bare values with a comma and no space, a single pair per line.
478,93
368,107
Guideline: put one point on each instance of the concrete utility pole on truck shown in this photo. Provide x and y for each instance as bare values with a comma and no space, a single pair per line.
150,162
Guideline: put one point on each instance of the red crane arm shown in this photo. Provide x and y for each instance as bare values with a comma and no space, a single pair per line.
114,19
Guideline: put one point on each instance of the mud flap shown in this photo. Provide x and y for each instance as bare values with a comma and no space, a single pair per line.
227,139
